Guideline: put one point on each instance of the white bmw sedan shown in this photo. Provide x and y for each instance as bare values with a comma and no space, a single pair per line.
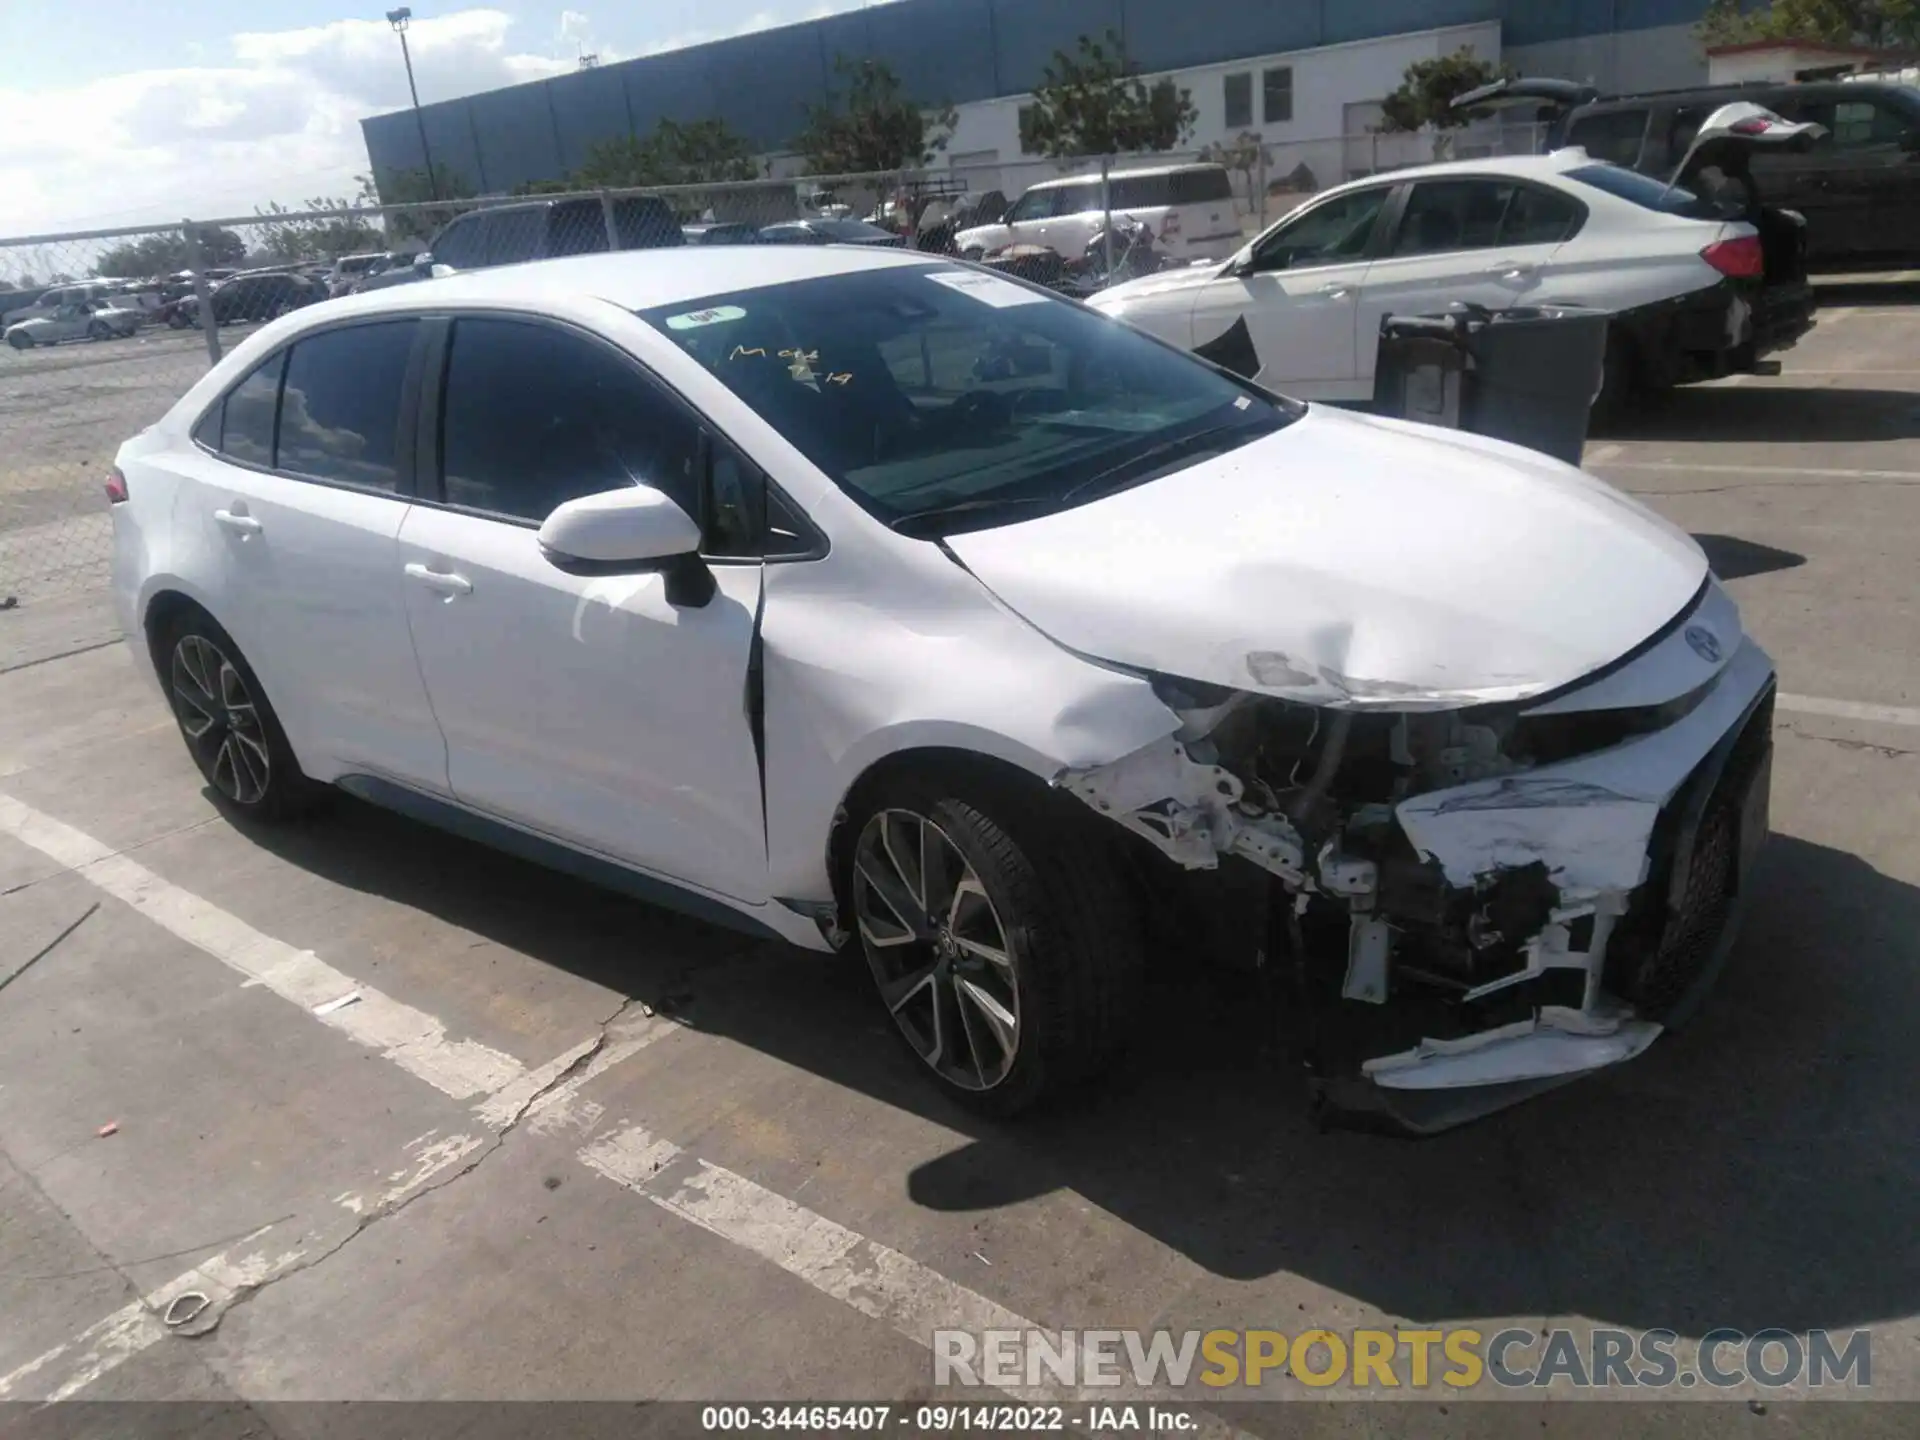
865,599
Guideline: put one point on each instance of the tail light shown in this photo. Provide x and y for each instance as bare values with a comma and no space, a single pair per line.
1741,257
1170,225
116,487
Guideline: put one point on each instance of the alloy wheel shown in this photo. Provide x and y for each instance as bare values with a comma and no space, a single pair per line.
937,948
220,719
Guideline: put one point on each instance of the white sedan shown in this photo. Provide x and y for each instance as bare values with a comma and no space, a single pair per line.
81,320
1697,288
864,599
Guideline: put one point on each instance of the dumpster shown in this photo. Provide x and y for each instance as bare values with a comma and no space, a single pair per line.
1527,374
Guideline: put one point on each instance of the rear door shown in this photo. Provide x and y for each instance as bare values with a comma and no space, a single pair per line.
607,711
1202,221
1288,315
294,493
1486,240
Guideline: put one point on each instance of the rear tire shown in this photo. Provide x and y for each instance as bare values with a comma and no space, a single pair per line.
20,340
229,728
1004,944
98,330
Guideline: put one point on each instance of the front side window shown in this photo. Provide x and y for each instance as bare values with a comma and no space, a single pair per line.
1034,205
942,399
516,235
1079,198
461,245
1236,91
1331,232
1276,95
1443,215
340,405
535,416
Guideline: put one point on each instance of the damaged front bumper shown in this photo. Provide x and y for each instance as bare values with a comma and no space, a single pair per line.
1467,946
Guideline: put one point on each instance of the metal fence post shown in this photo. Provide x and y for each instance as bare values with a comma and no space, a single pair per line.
1260,174
606,214
1106,207
197,264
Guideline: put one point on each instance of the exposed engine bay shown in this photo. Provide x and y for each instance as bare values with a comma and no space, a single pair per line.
1474,904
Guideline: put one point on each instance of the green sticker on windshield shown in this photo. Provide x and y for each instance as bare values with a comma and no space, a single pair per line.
712,315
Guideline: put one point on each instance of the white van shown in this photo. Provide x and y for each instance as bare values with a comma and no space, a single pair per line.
1189,209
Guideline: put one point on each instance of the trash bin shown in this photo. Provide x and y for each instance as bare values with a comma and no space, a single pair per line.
1528,374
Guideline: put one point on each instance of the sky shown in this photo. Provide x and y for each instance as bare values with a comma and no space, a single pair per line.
125,112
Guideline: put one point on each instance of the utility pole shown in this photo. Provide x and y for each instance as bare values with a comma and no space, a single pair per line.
399,20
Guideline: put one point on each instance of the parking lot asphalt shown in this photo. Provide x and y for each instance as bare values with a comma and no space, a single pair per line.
564,1145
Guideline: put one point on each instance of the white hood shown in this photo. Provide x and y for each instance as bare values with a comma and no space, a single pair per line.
1162,287
1356,563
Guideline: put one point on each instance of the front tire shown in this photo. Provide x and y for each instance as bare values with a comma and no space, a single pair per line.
1010,970
20,340
98,331
230,730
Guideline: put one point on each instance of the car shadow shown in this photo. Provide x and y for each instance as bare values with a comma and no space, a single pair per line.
1735,559
1754,1170
1865,290
1765,414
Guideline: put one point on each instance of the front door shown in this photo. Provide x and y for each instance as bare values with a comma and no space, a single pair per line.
1288,315
603,711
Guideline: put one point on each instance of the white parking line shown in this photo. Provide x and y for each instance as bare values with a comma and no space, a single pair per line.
1848,709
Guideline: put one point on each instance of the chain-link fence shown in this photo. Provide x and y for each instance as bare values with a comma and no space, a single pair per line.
105,329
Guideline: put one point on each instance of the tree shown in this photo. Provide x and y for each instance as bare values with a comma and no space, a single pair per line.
876,127
166,251
410,187
1243,154
322,239
699,153
1426,94
1887,23
1095,103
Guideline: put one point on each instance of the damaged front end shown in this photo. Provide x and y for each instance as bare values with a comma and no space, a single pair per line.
1475,905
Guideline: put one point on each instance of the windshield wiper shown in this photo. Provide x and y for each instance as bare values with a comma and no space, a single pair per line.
1194,441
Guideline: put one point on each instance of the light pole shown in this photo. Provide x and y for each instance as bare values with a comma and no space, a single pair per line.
398,19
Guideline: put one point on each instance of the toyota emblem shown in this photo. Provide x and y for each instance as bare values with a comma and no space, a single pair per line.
1705,643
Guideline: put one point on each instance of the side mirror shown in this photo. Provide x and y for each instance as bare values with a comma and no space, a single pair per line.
629,531
423,265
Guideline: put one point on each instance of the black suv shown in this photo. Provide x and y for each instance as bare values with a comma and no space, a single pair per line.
538,230
1858,186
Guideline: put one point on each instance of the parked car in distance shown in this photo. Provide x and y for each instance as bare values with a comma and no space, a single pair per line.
1857,185
537,230
76,320
251,297
56,298
866,599
829,232
720,232
348,270
1696,288
1189,208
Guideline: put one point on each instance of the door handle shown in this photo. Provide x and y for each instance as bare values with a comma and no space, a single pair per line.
1509,270
445,581
237,521
1335,292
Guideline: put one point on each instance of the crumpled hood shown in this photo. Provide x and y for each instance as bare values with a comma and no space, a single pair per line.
1356,563
1162,286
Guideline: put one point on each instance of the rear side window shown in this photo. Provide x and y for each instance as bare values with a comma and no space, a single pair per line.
1446,215
1612,135
1200,187
1642,190
535,416
340,405
1537,216
241,426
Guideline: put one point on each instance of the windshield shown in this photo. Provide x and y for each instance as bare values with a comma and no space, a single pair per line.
945,399
1644,191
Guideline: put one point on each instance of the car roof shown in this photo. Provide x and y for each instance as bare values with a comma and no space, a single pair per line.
1148,172
1744,90
636,279
1535,167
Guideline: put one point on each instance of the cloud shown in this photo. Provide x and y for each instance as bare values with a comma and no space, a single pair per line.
276,120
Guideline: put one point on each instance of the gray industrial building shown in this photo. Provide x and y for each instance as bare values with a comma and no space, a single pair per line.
972,52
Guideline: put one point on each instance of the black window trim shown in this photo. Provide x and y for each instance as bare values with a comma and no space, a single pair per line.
404,454
430,419
1380,246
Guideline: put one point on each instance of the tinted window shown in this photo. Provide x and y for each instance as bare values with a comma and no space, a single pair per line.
535,416
1537,216
1078,198
516,235
1034,205
1330,232
1276,95
1642,190
576,227
1446,215
340,407
242,425
1612,135
646,222
461,244
943,399
1201,187
1137,192
1855,124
